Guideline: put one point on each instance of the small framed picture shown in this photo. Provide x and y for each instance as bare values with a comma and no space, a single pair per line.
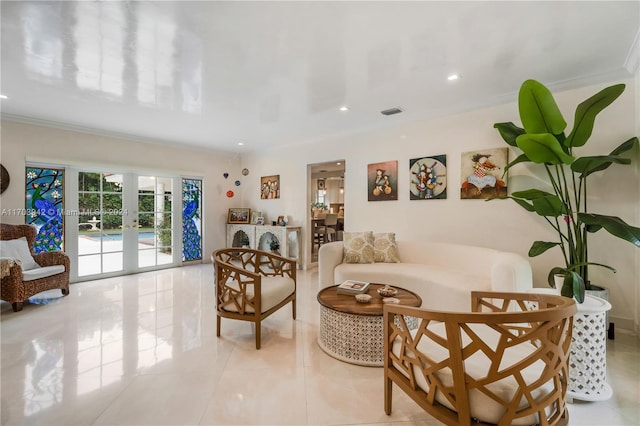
280,221
321,184
254,216
237,215
260,221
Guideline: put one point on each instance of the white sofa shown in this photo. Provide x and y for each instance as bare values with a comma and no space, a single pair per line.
442,274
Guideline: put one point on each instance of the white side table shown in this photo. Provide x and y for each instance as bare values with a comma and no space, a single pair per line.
588,360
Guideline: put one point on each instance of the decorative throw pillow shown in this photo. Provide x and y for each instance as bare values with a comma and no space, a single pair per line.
18,249
358,247
385,248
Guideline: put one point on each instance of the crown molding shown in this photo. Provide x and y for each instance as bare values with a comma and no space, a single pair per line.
108,133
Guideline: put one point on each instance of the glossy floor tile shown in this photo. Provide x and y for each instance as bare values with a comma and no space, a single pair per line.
141,350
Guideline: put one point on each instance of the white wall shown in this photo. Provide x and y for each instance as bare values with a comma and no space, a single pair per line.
499,224
25,142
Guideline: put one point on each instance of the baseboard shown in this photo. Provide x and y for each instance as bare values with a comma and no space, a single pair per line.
624,324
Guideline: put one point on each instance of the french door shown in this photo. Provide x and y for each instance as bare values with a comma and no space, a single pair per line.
125,223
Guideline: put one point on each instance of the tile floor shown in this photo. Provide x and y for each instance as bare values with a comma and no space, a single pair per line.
142,350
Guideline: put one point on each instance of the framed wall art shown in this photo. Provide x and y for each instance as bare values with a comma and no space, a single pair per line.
482,173
270,187
237,215
382,181
428,178
255,215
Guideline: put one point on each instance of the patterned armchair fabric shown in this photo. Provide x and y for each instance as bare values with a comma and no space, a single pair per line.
252,284
506,362
13,289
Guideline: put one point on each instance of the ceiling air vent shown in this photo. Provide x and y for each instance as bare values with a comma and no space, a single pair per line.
392,111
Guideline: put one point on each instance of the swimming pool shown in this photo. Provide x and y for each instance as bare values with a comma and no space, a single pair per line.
118,237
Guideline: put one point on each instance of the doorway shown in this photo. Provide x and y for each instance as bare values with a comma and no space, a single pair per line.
326,197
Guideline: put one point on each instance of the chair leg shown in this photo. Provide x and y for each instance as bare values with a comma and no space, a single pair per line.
293,307
258,335
218,319
17,306
65,291
388,388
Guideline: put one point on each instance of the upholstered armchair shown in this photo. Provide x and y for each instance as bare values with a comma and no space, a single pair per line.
25,274
252,284
504,363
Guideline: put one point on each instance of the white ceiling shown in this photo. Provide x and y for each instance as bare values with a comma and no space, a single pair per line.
270,74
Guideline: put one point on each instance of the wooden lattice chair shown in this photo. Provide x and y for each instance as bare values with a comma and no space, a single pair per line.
20,280
504,363
252,284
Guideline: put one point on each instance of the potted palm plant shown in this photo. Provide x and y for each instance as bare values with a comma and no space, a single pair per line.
543,142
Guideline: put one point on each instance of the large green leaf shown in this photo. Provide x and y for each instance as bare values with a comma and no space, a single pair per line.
614,225
509,132
543,148
522,158
586,114
550,205
539,112
625,146
539,247
587,165
543,203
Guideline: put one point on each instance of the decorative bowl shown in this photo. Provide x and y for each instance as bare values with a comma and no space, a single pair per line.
363,298
387,291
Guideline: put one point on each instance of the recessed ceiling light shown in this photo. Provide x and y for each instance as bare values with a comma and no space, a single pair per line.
453,77
4,97
240,143
338,163
344,108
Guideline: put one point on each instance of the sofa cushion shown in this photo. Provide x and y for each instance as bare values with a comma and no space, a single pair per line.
18,249
358,247
42,272
482,406
385,248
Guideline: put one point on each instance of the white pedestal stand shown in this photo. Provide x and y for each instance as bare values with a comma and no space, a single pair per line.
588,360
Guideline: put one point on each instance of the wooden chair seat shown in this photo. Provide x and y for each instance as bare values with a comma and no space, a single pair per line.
505,366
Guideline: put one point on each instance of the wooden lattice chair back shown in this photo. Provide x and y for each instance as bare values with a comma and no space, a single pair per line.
252,284
504,363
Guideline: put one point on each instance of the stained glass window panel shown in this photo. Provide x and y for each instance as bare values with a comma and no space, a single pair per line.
44,189
191,219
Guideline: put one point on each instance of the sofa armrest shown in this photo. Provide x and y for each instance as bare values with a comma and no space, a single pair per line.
329,256
511,272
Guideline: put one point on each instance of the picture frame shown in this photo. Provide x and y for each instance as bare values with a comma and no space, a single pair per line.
270,187
260,221
280,220
255,215
382,181
482,174
321,184
239,215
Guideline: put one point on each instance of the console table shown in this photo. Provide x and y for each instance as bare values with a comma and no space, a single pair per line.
260,235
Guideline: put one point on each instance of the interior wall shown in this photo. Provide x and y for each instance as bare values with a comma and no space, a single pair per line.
26,142
500,224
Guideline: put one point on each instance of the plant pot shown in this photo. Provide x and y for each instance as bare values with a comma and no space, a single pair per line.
588,361
602,293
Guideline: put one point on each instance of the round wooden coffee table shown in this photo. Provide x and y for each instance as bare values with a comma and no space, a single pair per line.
352,331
